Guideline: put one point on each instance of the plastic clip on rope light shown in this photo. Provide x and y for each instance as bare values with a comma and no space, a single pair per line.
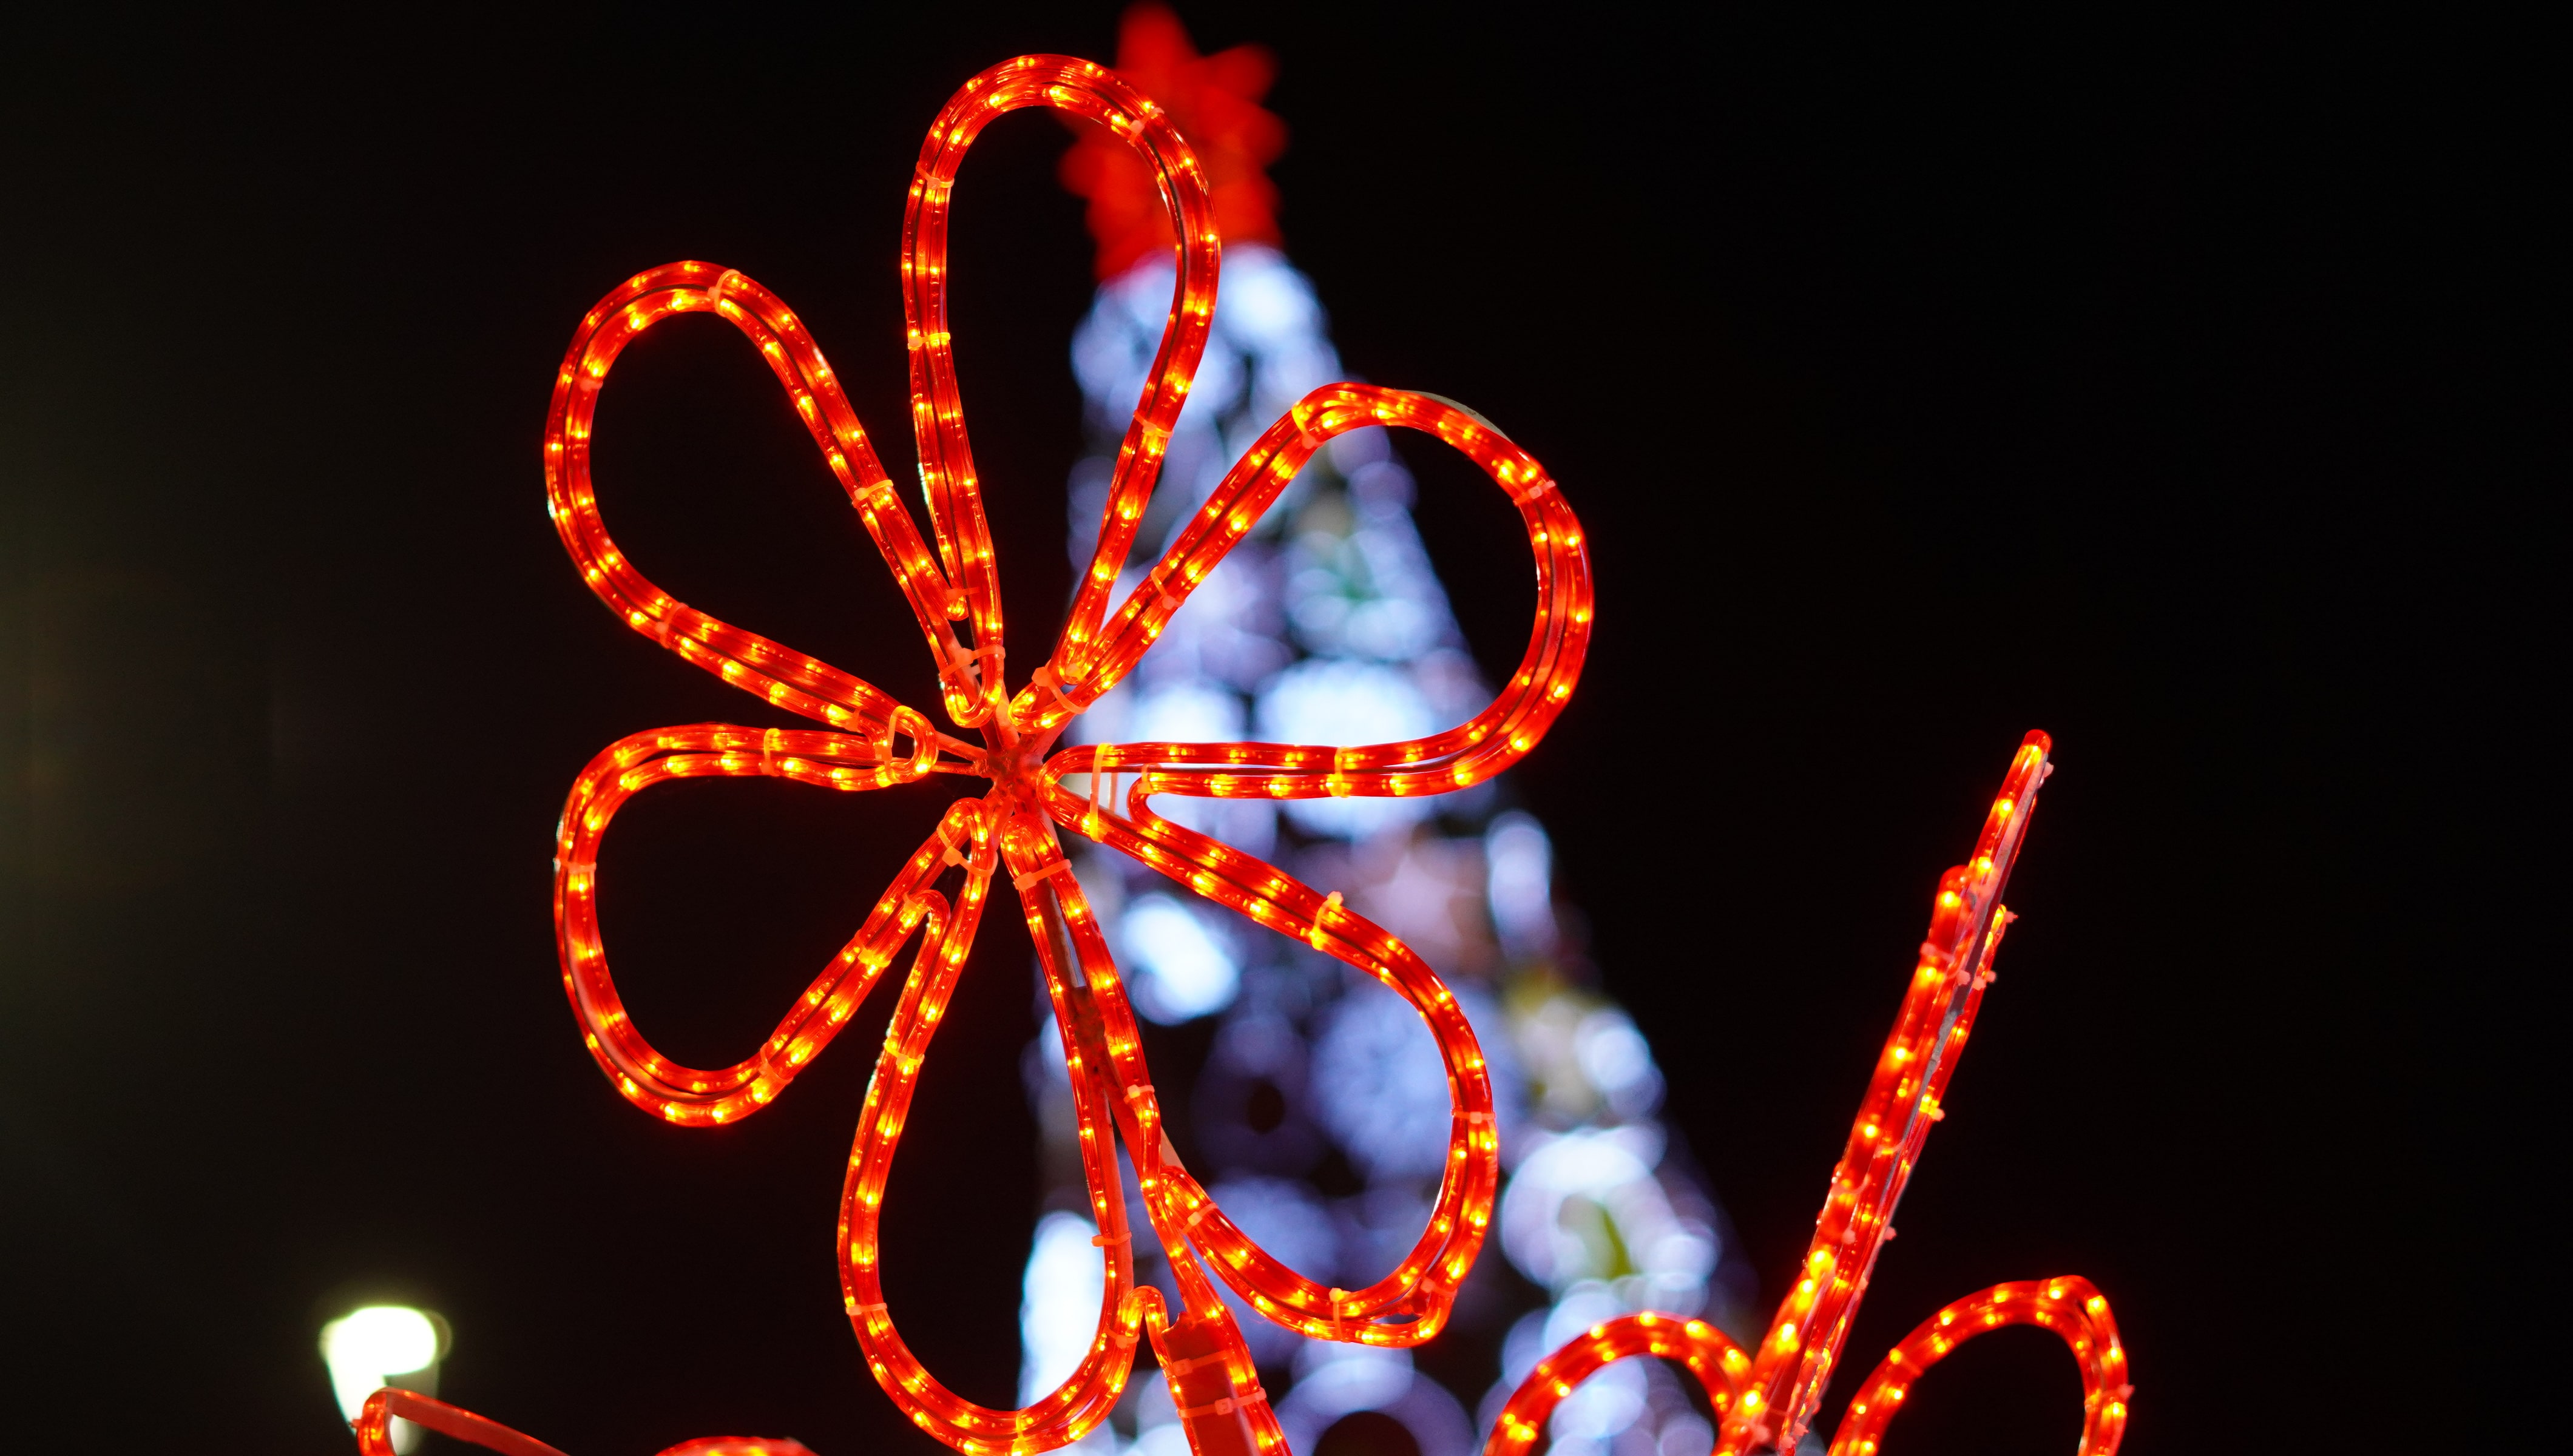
868,741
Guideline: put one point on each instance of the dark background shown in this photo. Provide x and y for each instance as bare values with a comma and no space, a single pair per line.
1921,384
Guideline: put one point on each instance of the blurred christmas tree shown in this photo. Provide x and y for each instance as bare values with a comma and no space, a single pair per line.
1314,1103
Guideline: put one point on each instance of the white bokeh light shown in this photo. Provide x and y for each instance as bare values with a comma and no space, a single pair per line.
368,1348
1343,702
1519,862
1182,971
1058,1303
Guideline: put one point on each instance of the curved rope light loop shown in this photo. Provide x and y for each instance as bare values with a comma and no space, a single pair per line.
2069,1307
1703,1350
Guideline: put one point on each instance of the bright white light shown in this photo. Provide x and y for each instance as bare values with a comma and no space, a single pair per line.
1584,1212
1521,883
1059,1305
1337,701
1264,304
1616,1060
368,1347
1686,1434
1187,712
1334,1380
1606,1169
1187,973
1380,1087
1611,1051
1333,700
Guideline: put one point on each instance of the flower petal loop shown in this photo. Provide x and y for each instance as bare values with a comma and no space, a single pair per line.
1489,742
2069,1307
1410,1304
689,1096
1081,89
792,680
1718,1363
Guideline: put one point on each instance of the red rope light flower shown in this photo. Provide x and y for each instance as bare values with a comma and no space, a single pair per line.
1012,828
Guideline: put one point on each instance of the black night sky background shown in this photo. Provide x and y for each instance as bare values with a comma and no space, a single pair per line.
1921,383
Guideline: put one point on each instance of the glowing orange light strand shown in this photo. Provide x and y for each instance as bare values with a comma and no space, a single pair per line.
2069,1307
1012,829
1764,1398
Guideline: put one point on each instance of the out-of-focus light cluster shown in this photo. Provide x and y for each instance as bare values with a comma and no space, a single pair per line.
1231,1249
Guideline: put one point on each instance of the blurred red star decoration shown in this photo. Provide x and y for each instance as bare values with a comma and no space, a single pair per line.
1215,102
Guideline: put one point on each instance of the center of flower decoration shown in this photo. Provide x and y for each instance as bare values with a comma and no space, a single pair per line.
1017,770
